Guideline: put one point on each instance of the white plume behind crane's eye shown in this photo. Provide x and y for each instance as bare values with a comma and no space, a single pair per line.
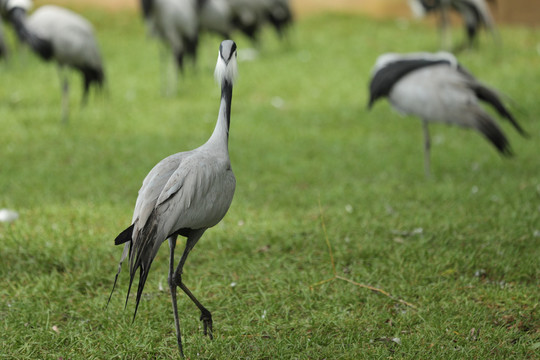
226,71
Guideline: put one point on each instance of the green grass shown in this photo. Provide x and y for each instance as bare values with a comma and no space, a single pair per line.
473,265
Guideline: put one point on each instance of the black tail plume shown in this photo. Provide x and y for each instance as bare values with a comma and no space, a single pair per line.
494,134
490,97
91,75
143,274
141,255
124,236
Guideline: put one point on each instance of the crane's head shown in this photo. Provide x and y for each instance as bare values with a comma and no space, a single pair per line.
226,67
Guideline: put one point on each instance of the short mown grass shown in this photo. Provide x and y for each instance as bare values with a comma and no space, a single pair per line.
463,247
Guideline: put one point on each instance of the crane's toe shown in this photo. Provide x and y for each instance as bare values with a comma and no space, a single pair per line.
206,318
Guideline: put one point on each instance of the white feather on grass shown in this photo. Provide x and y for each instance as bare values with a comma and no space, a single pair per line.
8,216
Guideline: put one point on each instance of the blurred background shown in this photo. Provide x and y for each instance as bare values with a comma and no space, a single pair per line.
505,11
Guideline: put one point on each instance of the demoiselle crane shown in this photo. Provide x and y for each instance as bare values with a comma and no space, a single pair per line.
184,194
436,88
175,23
475,15
59,34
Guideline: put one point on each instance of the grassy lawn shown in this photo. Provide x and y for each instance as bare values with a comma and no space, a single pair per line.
462,247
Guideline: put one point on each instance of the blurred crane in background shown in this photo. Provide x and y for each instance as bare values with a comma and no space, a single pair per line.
216,16
176,25
436,88
475,15
279,14
184,194
56,33
247,16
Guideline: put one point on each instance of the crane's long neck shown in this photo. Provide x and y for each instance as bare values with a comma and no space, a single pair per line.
221,131
43,48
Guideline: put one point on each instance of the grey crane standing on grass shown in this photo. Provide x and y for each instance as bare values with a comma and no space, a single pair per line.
436,88
175,23
184,194
475,14
56,33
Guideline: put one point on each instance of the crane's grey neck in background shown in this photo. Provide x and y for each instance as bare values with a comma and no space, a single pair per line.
43,48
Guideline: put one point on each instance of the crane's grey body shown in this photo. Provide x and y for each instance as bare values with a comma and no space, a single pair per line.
475,14
71,35
184,194
436,88
189,190
437,95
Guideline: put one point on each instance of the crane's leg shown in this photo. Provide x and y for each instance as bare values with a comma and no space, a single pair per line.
178,69
172,287
65,94
206,316
166,78
191,48
446,37
427,148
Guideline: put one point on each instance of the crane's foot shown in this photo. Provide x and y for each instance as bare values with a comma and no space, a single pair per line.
206,318
180,349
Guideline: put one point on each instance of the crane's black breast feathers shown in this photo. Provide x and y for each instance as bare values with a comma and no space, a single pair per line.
43,48
494,135
385,78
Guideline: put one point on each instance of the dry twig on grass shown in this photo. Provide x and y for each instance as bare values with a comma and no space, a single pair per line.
338,277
